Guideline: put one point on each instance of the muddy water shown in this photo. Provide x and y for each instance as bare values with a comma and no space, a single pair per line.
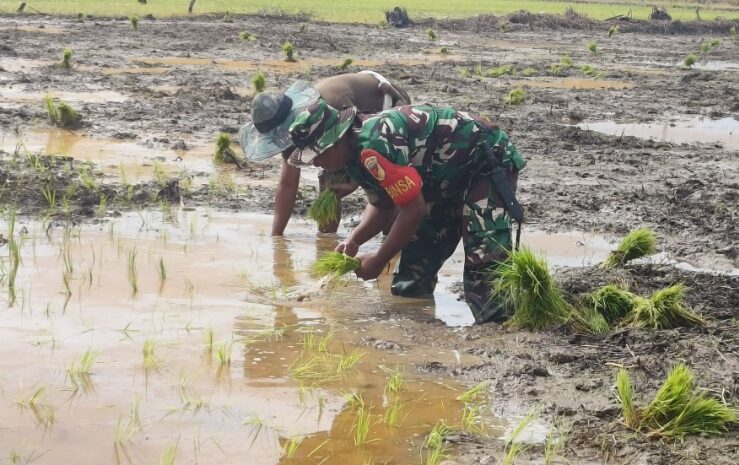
117,158
723,131
223,275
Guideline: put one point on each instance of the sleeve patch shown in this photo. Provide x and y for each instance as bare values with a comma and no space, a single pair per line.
402,183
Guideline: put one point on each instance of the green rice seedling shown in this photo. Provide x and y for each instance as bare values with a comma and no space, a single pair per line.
257,425
636,244
133,276
14,256
246,35
690,61
223,152
432,35
392,414
259,82
515,97
678,409
705,49
613,31
290,446
595,322
472,418
501,70
223,353
289,49
80,370
566,60
227,17
169,455
732,31
434,444
44,413
362,423
665,308
626,399
444,50
528,72
51,109
589,71
49,194
68,117
162,270
512,451
323,343
612,302
346,64
347,362
555,442
159,175
336,264
134,22
527,286
325,208
67,58
149,352
394,382
476,392
593,47
80,17
521,426
309,340
715,43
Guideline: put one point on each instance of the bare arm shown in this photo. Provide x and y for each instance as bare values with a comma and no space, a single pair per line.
287,190
374,220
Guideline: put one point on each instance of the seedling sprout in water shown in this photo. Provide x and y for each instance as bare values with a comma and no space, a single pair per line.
336,264
325,208
638,243
223,152
525,283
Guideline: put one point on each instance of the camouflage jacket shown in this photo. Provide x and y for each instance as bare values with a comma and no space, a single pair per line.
442,144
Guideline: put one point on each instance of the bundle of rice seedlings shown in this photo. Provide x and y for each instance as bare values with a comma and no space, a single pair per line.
223,153
346,64
259,81
663,309
68,116
67,58
678,409
690,61
525,283
325,208
335,263
289,50
595,322
626,398
515,97
612,302
637,243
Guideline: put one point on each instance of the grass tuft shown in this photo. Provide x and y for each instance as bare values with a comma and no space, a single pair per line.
690,61
246,35
434,444
613,31
325,208
525,283
593,47
636,244
626,398
432,35
335,263
134,22
665,308
346,64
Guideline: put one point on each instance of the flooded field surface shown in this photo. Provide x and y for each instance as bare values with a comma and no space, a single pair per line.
149,315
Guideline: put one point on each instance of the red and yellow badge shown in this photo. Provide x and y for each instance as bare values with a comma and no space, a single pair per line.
402,183
374,168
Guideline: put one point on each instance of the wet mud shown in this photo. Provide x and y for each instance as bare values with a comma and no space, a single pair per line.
153,101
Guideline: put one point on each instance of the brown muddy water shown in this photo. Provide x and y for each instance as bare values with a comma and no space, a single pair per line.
724,131
199,286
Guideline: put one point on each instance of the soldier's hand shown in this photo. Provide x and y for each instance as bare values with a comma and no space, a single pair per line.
348,247
371,267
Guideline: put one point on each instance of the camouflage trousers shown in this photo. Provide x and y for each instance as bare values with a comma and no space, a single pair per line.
485,231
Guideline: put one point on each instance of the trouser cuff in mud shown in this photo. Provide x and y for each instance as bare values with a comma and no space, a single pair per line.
478,294
412,286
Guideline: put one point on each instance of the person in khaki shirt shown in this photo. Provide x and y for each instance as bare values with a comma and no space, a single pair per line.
273,113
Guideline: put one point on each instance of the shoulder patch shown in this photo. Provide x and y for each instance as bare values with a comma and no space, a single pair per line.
402,183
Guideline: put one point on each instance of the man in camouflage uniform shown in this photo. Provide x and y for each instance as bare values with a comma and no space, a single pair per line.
435,166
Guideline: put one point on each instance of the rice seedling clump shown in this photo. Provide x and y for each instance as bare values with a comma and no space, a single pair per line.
62,114
678,408
67,58
224,153
665,308
612,302
515,97
335,263
325,208
259,81
525,284
636,244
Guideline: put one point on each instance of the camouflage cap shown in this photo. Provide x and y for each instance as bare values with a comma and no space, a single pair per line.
272,114
317,129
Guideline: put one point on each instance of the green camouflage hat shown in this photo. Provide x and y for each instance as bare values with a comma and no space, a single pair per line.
317,129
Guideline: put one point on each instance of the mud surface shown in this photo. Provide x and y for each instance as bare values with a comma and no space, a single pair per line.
171,86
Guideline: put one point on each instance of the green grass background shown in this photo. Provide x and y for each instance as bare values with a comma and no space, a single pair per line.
370,11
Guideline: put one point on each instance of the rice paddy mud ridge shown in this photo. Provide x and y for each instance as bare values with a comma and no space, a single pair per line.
114,287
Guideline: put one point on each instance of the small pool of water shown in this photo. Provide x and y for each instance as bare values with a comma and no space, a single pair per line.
723,131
